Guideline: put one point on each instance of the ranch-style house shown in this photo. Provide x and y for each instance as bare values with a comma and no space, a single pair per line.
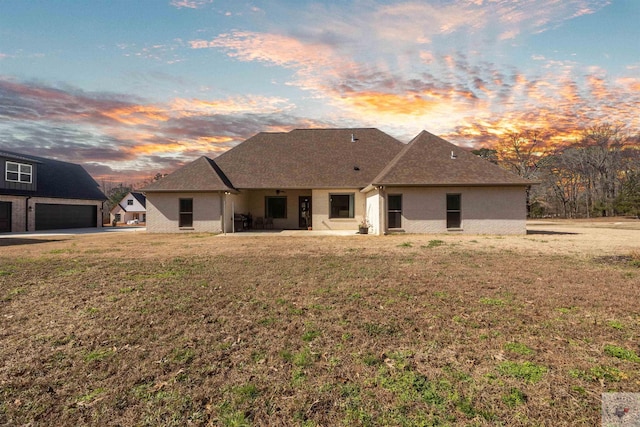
340,179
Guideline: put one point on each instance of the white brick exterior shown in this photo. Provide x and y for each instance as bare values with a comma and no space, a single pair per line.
485,210
321,220
163,212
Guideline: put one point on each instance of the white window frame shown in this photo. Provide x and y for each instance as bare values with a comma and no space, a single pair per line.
23,171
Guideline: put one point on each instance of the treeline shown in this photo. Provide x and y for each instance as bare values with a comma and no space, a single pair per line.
596,175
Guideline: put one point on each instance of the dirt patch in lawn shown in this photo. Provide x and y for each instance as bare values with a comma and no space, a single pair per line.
140,329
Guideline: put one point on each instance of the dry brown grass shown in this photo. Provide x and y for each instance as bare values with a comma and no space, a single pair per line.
137,329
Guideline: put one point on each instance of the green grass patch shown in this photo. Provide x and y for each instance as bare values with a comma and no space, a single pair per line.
621,353
91,395
182,355
615,324
527,371
433,244
567,310
599,373
378,329
518,348
304,358
246,392
514,398
492,301
310,334
98,355
92,310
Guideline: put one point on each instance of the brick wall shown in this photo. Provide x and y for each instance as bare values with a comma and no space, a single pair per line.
485,210
163,212
321,220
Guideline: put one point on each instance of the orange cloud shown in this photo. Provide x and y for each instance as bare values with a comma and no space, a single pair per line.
632,83
390,103
136,114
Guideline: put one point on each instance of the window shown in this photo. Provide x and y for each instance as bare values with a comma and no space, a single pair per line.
275,207
117,217
18,172
186,213
341,205
130,202
394,211
454,213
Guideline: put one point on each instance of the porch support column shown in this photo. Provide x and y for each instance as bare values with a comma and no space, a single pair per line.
382,197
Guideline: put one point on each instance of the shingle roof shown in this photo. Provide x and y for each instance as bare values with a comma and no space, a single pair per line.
141,198
309,158
427,160
200,175
57,179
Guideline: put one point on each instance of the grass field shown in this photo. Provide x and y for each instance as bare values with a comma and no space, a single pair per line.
404,330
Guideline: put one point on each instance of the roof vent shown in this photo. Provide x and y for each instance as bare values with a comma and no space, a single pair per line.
353,138
453,155
356,168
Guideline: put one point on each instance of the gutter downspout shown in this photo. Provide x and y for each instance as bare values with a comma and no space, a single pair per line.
26,213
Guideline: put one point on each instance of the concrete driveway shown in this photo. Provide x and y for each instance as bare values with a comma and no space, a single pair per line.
72,232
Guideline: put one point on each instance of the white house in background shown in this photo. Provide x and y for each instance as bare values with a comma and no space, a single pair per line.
130,210
334,179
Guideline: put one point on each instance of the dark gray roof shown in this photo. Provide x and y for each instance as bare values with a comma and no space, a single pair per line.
141,198
309,158
335,158
57,179
200,175
428,160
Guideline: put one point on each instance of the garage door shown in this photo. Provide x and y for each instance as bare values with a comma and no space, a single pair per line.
53,216
5,217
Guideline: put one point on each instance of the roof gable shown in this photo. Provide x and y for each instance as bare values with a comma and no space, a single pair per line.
141,198
309,158
200,175
430,160
57,179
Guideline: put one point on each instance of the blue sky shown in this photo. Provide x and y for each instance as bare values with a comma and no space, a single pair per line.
132,88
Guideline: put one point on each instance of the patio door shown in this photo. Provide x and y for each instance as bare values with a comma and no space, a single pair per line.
304,211
394,211
5,217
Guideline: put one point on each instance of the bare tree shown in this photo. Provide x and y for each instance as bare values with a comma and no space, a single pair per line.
525,154
601,162
586,177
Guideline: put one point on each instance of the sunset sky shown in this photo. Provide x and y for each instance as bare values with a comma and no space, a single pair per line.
132,88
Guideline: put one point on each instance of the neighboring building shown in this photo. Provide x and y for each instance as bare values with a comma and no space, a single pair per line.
45,194
130,210
334,179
